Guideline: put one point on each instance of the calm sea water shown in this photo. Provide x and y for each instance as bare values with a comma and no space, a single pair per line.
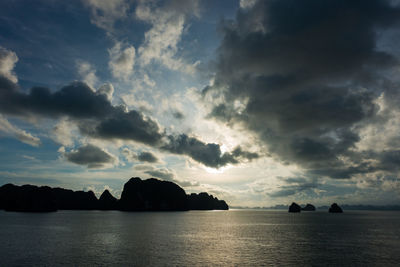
200,238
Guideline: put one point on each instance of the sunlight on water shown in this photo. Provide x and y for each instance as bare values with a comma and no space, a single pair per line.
239,237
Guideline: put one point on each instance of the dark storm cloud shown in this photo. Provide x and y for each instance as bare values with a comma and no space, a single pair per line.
76,100
207,153
283,192
147,157
178,115
238,152
130,125
388,160
308,74
89,155
95,116
142,156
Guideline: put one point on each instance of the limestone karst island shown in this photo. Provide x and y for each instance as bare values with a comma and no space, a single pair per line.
137,195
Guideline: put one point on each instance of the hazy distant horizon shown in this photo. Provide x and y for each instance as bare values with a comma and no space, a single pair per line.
326,207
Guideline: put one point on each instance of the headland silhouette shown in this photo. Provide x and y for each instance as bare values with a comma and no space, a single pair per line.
137,195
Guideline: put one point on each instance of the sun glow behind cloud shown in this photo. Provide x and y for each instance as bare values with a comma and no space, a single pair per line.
217,171
215,110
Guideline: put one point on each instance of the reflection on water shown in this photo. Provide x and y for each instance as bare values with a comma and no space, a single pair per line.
236,237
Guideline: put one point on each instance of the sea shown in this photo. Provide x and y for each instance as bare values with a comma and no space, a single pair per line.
200,238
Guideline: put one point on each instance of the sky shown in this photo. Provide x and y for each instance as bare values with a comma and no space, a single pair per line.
256,102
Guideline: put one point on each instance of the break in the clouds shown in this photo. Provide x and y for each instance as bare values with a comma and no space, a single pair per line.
305,76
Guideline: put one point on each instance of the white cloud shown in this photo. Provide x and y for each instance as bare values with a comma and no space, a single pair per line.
161,41
64,132
87,73
11,130
149,82
104,13
106,89
246,4
122,61
132,101
383,133
7,62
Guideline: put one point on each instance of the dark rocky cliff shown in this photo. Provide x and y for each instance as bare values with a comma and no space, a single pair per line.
335,208
138,195
308,207
107,201
152,195
294,207
27,198
204,201
74,200
41,199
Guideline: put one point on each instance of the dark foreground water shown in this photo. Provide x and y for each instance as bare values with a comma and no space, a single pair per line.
204,238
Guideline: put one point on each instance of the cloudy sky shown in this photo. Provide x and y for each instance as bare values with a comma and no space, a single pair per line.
257,102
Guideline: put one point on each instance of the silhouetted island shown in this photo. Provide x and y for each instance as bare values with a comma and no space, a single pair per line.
294,207
308,207
27,198
152,194
107,201
335,208
138,195
203,201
